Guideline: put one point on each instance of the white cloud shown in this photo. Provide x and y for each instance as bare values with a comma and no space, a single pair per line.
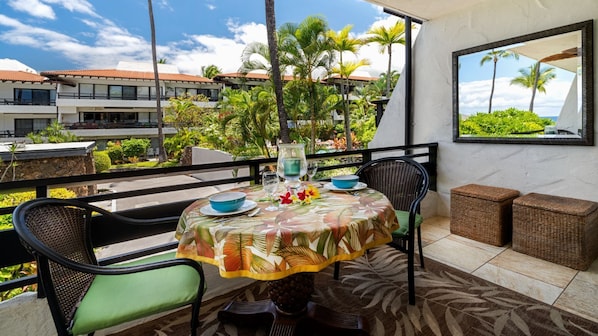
474,97
34,8
111,43
74,6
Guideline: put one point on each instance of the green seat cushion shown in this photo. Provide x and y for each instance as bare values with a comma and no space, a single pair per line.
115,299
403,217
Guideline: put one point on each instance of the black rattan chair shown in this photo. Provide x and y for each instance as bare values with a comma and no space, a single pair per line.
85,297
405,182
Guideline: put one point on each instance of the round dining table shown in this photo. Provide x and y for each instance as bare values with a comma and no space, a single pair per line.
287,247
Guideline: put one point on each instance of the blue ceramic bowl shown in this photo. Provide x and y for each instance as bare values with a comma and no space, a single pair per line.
345,181
227,201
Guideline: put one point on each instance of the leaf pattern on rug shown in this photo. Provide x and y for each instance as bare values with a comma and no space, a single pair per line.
380,278
448,302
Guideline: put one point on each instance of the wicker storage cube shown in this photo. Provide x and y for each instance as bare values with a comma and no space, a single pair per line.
482,213
561,230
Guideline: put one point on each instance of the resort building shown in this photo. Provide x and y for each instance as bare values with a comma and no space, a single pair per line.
111,104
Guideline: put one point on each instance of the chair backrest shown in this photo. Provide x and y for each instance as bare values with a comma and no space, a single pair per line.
57,232
404,181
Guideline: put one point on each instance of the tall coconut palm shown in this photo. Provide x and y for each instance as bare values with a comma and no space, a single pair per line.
495,56
308,50
386,38
210,71
534,78
342,42
161,151
345,70
276,75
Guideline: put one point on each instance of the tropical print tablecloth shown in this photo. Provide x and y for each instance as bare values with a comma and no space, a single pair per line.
297,238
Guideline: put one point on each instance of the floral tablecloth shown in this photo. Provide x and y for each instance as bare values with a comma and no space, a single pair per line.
297,238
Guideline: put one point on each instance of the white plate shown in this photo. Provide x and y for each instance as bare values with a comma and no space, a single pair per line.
209,211
358,186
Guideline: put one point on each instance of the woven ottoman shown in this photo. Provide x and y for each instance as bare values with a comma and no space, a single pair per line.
482,213
558,229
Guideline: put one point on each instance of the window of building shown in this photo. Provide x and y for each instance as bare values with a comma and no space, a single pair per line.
122,92
34,96
26,126
86,91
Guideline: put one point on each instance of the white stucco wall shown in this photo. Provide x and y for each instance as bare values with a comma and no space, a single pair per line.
558,170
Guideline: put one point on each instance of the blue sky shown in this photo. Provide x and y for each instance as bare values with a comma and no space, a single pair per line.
96,34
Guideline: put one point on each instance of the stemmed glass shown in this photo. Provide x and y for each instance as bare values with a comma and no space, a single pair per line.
312,168
270,182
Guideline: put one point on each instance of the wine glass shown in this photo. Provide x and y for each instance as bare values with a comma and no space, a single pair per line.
312,168
270,182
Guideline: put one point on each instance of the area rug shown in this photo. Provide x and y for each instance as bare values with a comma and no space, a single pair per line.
448,302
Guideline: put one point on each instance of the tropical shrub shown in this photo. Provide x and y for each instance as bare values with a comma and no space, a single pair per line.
510,122
26,269
135,147
175,144
102,161
115,152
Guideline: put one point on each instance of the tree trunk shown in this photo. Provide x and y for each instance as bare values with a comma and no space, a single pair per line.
161,151
388,71
276,75
492,88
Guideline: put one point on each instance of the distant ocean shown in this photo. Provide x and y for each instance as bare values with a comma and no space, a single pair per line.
553,118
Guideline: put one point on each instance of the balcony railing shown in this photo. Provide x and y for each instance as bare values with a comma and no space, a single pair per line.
12,253
211,98
10,101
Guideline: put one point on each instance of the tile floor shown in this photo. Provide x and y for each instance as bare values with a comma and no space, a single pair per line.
560,286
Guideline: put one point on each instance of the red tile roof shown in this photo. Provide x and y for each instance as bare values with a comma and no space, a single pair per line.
355,78
253,76
112,73
262,76
20,76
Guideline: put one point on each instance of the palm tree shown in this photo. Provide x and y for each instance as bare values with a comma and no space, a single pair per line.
250,113
308,50
495,56
345,70
210,71
534,78
343,43
386,37
276,75
161,150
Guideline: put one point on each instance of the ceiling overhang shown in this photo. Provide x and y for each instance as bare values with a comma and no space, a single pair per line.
426,10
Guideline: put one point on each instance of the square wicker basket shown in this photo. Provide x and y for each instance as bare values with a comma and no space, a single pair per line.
558,229
482,213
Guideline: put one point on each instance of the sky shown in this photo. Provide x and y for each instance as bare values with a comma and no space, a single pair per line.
50,35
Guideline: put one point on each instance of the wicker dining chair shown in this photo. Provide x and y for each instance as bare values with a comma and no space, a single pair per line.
405,183
82,295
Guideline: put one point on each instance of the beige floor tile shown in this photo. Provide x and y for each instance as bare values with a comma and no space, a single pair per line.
590,275
494,250
565,288
535,268
580,298
458,254
434,229
520,283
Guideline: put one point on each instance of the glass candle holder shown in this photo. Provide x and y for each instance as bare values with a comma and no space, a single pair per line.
291,164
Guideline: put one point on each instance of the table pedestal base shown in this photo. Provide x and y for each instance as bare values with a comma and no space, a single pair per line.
315,319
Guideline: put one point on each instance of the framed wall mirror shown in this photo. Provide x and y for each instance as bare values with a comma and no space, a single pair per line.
532,89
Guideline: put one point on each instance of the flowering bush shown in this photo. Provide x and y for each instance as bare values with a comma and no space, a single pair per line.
304,195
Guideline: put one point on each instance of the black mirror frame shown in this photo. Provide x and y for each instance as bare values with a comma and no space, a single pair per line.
587,61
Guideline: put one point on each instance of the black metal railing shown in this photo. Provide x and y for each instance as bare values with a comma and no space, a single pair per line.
12,253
